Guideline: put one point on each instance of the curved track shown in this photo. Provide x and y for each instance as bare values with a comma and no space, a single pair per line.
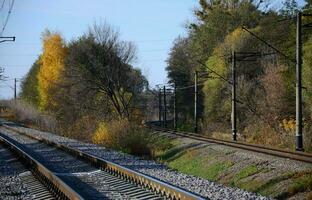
90,177
295,155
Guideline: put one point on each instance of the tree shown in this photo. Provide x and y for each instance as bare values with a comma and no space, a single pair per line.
29,85
181,73
49,76
218,18
290,8
102,62
307,75
308,4
215,19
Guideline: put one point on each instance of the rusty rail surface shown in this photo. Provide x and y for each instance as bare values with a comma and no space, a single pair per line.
167,190
294,155
60,188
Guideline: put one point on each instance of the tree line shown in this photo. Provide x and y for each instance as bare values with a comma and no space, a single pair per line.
265,85
85,81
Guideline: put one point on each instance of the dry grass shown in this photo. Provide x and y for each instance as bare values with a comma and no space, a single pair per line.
25,113
265,135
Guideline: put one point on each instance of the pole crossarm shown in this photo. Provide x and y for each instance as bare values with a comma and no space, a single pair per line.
308,25
7,39
247,56
306,14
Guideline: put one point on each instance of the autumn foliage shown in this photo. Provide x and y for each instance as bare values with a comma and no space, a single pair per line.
52,65
87,83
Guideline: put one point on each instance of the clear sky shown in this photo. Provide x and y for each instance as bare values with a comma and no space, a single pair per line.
151,24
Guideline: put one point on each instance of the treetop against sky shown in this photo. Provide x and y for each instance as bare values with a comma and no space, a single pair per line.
152,25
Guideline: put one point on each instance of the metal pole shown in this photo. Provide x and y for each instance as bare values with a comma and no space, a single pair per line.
165,108
234,130
15,89
175,107
299,142
195,103
159,106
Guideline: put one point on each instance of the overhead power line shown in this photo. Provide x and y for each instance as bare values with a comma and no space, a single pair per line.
269,45
214,72
2,4
8,16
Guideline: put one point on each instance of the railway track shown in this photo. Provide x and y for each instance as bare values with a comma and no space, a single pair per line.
19,180
84,176
294,155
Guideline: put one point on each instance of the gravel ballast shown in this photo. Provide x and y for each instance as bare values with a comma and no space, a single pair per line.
203,187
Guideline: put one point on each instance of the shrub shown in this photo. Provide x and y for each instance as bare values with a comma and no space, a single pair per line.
124,136
81,128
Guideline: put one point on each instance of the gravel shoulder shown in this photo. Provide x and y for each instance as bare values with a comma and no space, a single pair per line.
201,186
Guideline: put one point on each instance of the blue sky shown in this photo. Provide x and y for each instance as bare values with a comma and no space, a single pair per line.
151,24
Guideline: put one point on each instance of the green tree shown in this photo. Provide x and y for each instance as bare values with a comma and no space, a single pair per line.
181,73
29,85
99,63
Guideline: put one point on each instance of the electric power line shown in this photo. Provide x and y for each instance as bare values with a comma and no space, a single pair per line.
269,45
2,4
7,18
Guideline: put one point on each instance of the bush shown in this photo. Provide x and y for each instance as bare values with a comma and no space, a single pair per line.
81,128
124,136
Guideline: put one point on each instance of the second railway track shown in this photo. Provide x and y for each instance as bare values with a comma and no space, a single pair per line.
91,177
294,155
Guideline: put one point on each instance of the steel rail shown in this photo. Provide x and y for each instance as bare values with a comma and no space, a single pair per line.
294,155
34,184
165,189
56,184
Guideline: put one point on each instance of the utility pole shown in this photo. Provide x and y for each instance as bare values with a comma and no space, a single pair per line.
299,142
15,80
159,106
234,130
165,108
195,103
175,107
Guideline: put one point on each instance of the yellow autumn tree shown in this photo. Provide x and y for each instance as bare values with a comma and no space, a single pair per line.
49,76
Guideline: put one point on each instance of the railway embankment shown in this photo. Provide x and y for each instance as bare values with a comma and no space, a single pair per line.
264,174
